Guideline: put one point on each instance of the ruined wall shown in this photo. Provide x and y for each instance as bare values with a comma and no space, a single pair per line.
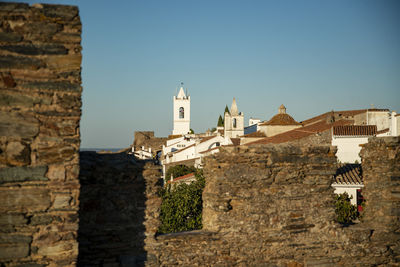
40,101
274,205
147,139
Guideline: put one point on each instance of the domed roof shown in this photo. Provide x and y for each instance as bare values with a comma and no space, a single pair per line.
282,118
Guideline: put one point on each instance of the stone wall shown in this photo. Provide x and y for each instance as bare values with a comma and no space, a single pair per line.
116,194
40,108
273,206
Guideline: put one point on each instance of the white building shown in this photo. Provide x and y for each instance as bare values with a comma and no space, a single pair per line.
181,113
233,122
195,149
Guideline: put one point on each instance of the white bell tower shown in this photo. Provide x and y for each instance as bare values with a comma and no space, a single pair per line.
181,113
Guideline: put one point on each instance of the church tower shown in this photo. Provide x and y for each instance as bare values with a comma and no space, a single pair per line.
233,122
181,113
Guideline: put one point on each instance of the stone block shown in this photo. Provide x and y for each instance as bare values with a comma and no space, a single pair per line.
15,238
24,199
13,251
33,50
18,154
56,249
52,86
16,62
12,219
64,63
14,100
61,201
41,219
19,174
17,125
63,12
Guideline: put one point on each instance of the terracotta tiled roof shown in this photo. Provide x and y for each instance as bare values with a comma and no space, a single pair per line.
281,119
235,141
349,174
343,114
190,175
383,131
254,134
355,130
302,132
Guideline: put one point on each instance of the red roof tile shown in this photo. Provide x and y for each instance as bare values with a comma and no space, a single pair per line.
254,134
190,175
350,174
281,119
355,130
302,132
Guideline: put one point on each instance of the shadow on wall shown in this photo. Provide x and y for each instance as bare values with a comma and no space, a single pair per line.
111,210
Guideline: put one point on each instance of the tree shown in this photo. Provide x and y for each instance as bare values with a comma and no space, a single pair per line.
191,131
220,122
227,109
345,211
182,206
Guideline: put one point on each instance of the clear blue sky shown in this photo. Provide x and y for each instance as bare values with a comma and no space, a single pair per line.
311,56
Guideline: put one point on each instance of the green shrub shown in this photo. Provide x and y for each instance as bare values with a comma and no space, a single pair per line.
182,206
179,170
345,211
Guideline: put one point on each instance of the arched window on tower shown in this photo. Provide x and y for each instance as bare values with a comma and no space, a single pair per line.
234,123
181,113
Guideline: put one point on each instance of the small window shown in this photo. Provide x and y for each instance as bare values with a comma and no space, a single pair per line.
234,123
181,113
217,144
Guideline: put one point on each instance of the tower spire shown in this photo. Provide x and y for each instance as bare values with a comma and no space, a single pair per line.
234,109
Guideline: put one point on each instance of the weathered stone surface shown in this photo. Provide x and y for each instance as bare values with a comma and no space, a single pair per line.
24,199
14,238
12,219
64,63
10,37
40,108
16,62
15,100
58,11
61,201
19,174
17,125
17,154
36,49
52,86
13,251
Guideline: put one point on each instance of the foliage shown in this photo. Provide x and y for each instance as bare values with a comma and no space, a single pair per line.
191,131
182,205
213,129
220,121
179,170
345,211
227,109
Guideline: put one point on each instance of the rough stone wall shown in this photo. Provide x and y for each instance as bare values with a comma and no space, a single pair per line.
117,194
381,170
40,108
265,204
273,206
